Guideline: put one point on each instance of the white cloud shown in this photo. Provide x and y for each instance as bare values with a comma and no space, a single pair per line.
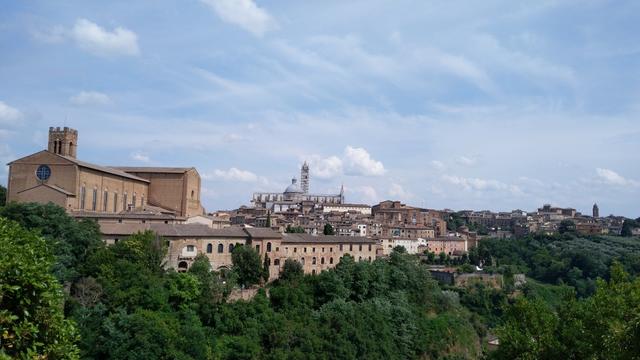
613,178
399,192
368,194
480,184
244,13
357,161
325,168
9,115
98,41
464,160
90,98
140,157
233,174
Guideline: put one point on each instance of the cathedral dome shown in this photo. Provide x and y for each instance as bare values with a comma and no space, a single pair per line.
293,188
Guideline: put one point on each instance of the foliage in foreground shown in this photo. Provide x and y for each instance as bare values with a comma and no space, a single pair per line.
604,326
32,323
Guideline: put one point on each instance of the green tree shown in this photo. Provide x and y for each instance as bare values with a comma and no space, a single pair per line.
627,227
247,265
70,241
567,226
292,270
3,195
328,229
294,229
32,323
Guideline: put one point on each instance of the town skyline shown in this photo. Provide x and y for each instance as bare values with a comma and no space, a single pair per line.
446,106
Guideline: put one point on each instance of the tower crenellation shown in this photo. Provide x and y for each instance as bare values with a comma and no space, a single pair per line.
63,141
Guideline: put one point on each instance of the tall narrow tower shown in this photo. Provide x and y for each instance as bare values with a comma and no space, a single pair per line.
304,178
63,141
596,211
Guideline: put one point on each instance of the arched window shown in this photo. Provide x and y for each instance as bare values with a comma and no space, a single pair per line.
105,200
268,247
350,247
359,258
276,262
302,261
313,272
330,260
369,258
124,201
83,196
134,199
360,247
313,261
94,201
220,248
268,262
115,202
182,266
369,247
142,200
231,246
322,260
209,248
340,247
193,194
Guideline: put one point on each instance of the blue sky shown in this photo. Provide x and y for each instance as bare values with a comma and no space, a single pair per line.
465,105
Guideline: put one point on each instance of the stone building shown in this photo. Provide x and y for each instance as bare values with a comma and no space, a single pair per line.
56,175
186,241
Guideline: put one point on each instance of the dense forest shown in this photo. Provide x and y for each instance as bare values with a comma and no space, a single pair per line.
65,295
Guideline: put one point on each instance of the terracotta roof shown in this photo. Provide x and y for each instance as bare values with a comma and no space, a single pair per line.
87,165
324,239
150,169
171,230
262,233
105,169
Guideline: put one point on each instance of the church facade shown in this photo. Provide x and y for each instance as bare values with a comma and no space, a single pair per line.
295,195
56,175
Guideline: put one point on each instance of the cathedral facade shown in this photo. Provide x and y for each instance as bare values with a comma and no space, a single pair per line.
294,195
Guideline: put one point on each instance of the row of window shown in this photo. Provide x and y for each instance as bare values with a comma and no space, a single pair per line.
341,247
105,200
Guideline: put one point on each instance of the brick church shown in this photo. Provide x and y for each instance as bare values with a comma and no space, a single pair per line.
56,175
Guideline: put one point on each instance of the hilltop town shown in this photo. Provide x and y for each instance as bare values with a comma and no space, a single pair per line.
316,230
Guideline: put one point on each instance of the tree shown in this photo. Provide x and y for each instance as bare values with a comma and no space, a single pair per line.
292,270
567,226
328,229
3,195
70,240
627,227
32,323
269,219
247,265
294,229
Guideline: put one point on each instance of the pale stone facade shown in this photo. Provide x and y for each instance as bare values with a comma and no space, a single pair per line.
186,241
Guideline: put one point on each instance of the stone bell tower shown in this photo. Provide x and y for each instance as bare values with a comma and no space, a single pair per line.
63,141
304,178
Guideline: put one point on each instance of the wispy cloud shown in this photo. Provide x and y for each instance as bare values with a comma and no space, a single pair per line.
91,37
243,13
232,174
9,115
142,157
90,98
611,177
